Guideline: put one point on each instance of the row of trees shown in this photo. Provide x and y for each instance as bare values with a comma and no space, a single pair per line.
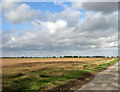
64,57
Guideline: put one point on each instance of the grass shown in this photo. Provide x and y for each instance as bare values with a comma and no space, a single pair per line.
103,65
49,78
17,75
35,82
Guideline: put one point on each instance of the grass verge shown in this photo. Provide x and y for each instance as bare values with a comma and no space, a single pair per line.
103,65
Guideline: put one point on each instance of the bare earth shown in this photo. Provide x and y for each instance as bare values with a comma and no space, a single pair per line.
14,61
22,65
106,80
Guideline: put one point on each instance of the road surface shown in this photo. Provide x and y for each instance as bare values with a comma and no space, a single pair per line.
106,80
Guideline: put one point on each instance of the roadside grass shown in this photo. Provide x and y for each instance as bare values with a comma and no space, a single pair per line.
103,65
48,78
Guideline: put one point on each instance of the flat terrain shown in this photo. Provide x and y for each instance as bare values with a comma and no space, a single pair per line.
13,61
18,65
47,73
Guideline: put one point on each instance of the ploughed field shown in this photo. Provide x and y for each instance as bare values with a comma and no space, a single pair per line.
44,74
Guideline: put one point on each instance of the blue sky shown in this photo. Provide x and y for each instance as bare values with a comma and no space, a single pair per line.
62,28
43,7
8,26
49,6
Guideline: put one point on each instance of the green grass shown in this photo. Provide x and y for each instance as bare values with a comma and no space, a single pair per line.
49,78
75,74
103,65
38,80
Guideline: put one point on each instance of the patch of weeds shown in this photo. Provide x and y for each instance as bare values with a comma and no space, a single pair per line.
30,83
75,74
43,81
17,75
86,65
93,64
44,76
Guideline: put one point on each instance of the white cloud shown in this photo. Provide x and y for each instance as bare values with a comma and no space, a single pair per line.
17,13
61,4
64,33
53,27
105,7
72,16
93,46
97,22
112,44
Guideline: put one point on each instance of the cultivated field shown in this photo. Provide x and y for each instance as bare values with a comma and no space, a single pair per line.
47,73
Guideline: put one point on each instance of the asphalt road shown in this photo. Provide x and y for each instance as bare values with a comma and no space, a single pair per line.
106,80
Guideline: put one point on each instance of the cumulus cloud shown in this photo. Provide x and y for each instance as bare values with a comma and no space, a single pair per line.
61,4
105,7
52,27
99,21
70,15
18,13
64,34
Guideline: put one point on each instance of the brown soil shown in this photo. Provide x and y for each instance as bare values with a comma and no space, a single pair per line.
14,61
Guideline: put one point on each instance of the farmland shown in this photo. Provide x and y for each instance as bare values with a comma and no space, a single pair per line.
47,73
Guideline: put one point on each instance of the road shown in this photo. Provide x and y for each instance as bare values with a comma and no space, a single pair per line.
106,80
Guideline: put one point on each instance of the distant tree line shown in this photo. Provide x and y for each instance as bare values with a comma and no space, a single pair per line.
63,57
82,56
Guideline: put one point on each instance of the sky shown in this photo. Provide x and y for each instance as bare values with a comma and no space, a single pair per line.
59,28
